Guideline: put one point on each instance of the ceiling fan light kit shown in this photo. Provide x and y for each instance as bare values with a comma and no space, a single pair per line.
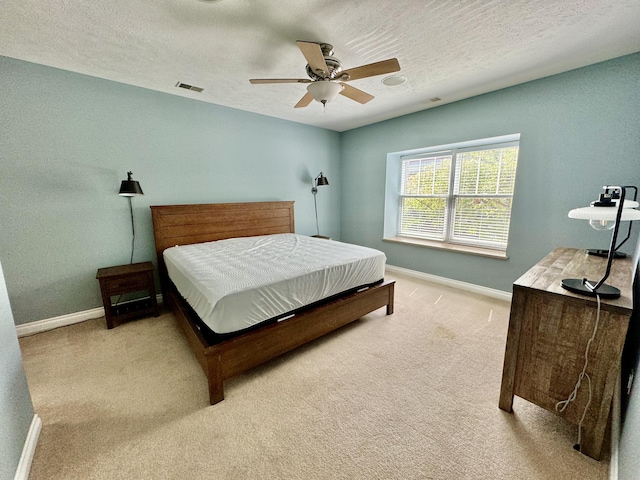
324,91
327,77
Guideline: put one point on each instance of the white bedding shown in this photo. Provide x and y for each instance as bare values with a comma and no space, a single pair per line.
236,283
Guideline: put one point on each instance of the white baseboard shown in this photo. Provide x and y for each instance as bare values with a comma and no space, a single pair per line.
40,326
469,287
29,450
615,431
62,321
78,317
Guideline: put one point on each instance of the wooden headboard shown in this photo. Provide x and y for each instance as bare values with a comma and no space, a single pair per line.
187,224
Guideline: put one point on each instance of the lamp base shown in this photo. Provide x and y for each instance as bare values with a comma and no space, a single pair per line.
605,253
576,285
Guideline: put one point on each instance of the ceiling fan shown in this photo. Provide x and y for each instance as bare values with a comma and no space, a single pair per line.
327,78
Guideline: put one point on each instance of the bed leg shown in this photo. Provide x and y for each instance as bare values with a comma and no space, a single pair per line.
391,294
214,376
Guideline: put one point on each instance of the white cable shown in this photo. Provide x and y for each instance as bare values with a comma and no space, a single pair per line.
562,405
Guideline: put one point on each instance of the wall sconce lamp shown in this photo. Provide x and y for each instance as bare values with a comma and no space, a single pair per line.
130,188
605,213
319,181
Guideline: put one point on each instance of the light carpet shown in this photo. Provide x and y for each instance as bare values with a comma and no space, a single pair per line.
413,395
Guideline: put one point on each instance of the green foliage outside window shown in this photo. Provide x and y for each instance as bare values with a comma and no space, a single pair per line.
487,171
479,200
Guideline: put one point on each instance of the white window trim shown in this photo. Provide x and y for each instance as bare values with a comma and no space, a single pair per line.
393,196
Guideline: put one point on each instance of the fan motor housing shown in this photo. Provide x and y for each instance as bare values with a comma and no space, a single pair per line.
328,76
333,64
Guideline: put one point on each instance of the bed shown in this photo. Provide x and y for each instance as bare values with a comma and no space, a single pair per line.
226,355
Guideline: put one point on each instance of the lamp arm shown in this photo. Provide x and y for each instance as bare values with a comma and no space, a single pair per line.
133,230
626,238
614,239
635,197
315,204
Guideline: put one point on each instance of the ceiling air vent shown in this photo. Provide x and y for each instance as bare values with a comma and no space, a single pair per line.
189,87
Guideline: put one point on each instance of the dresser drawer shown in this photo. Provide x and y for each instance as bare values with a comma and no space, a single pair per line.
116,286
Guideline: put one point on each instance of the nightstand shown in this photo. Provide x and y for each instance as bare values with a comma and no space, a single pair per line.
123,279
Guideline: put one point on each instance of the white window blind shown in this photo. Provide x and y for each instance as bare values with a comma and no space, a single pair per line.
459,196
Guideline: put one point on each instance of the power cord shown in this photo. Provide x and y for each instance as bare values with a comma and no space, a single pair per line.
133,243
133,230
315,204
562,405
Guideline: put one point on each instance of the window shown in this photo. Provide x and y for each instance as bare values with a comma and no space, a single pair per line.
459,195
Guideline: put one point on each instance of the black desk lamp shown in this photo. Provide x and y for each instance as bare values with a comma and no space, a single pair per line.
130,188
606,213
319,181
609,199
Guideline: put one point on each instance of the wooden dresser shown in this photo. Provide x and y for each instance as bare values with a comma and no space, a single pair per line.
548,333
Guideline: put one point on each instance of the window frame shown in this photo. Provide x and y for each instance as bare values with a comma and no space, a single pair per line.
448,239
404,196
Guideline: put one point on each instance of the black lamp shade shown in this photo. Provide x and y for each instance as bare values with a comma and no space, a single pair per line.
321,180
129,187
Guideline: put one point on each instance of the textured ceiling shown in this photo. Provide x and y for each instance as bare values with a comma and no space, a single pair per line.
447,49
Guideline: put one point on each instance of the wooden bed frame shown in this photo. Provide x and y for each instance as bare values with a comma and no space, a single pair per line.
187,224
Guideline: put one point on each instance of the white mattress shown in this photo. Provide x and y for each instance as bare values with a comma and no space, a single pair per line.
236,283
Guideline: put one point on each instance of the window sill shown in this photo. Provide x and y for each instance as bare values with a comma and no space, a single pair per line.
418,242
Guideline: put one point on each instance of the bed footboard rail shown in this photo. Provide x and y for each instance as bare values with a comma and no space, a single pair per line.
239,354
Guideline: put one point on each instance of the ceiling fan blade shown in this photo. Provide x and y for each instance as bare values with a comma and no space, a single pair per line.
355,94
304,101
313,54
257,81
373,69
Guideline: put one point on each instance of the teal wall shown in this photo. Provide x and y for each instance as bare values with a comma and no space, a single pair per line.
579,130
16,409
67,140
